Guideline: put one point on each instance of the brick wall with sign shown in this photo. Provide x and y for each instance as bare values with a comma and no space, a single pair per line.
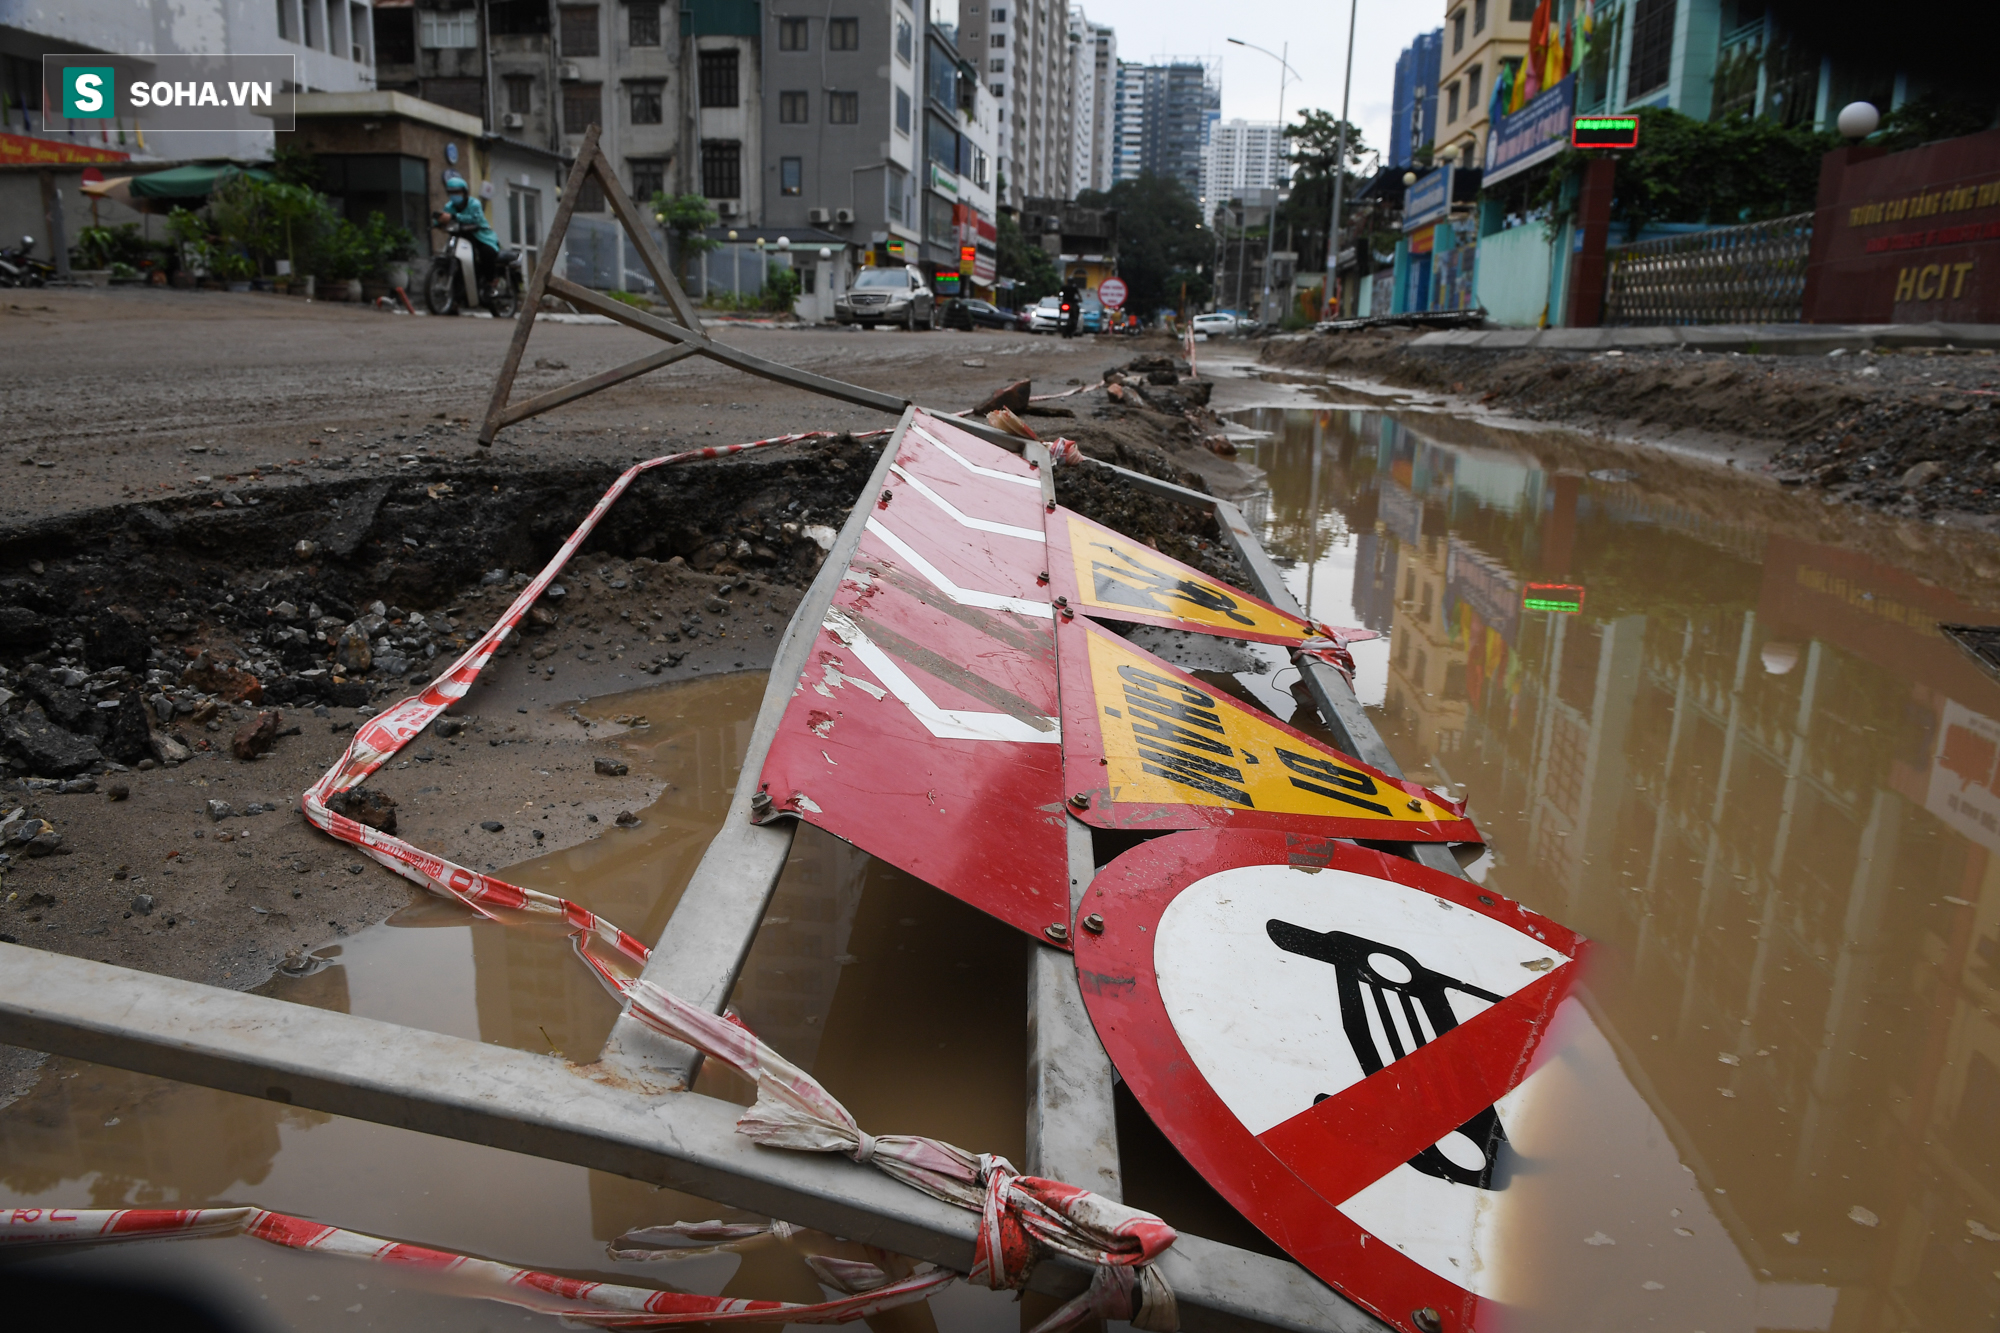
1908,238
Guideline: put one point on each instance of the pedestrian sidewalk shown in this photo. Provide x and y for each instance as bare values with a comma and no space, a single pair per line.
1771,339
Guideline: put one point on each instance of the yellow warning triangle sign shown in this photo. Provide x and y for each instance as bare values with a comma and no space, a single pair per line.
1105,573
1146,746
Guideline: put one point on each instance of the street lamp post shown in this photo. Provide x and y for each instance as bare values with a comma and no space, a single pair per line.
1340,161
1285,74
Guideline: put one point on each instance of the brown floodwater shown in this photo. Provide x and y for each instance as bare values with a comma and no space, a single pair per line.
848,946
1712,727
1749,767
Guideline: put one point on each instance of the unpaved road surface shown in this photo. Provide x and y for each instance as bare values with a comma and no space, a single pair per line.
109,393
221,509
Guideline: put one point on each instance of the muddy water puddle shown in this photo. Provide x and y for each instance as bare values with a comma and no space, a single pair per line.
1698,724
1701,724
861,974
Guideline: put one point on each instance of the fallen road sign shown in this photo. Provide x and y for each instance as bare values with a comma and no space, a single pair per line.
1104,573
1334,1038
1146,746
925,728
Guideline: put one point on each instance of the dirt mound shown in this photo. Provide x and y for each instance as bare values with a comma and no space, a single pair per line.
1854,425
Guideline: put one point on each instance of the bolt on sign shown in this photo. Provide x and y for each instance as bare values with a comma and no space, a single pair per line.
1336,1039
1146,746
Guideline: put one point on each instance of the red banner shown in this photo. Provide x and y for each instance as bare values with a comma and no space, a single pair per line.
18,149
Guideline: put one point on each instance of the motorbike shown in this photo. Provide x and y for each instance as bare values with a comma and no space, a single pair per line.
18,268
453,276
1072,312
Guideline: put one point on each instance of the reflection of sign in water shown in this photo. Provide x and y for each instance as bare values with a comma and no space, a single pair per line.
1483,583
1400,513
1391,1004
1565,599
1965,774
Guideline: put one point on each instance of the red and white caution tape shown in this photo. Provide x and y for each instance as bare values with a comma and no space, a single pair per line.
1329,645
575,1300
378,740
1020,1216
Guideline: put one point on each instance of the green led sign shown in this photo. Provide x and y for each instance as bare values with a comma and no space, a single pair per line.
1565,599
1604,132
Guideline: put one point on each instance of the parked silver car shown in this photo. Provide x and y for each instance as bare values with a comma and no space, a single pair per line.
888,296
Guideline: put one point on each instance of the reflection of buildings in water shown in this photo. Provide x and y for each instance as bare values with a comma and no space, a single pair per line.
531,991
145,1141
1752,840
1775,810
789,978
1426,662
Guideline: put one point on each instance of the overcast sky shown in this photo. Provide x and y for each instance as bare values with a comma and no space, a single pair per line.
1317,33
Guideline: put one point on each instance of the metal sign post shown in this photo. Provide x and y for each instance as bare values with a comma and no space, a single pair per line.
683,330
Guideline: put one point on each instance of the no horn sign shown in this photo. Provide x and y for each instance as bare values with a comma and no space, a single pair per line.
169,94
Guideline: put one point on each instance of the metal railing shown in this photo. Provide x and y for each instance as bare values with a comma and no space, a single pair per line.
1754,273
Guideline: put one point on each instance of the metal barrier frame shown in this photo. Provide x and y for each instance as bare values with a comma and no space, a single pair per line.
630,1114
1752,273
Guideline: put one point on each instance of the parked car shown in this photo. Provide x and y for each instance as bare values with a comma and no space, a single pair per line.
1024,318
1221,323
888,296
1096,319
966,313
1046,317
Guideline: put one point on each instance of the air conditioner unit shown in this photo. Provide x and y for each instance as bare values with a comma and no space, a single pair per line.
844,216
725,208
513,120
570,73
818,216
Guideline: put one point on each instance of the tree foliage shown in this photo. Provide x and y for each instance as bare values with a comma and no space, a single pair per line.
686,217
1313,142
1930,117
1023,260
1713,171
1162,245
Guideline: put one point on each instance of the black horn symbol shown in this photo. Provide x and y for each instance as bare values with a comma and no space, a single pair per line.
1409,1011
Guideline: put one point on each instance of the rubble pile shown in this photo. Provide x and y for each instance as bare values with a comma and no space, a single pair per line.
1859,427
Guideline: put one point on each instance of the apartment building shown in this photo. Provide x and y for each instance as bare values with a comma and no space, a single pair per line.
1414,109
1243,156
1182,102
1128,122
845,120
1093,94
1479,37
1024,47
1104,109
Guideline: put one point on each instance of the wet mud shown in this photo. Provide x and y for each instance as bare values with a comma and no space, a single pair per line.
1914,433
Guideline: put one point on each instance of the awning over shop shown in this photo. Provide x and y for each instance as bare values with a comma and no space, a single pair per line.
195,181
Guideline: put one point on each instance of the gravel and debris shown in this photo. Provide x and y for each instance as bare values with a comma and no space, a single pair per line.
1914,433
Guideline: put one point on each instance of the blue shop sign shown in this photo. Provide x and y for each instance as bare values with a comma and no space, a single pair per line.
1428,200
1535,133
